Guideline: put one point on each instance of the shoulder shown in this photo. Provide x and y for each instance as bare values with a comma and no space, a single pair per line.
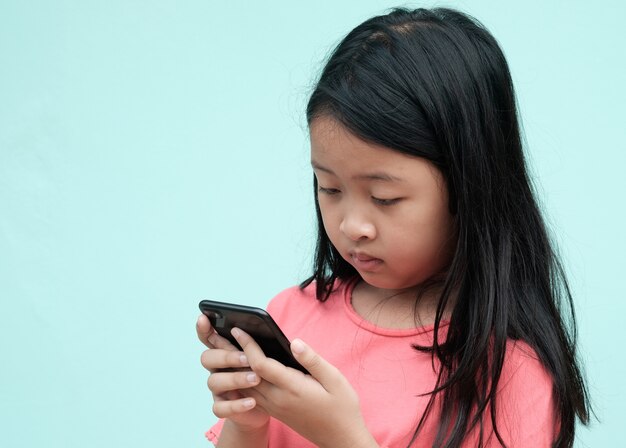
295,307
289,306
291,298
295,295
522,367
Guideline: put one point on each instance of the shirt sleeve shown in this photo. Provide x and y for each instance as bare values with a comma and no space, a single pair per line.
213,434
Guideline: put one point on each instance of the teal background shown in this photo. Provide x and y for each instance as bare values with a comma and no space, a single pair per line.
153,153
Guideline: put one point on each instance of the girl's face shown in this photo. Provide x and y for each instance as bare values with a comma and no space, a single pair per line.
384,211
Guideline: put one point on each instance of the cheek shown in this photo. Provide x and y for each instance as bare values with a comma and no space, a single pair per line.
442,241
329,221
425,238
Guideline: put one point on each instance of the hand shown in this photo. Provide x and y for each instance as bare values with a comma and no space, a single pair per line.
230,380
322,407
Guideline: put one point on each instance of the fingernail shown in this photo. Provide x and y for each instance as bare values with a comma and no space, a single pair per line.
251,377
297,346
235,332
243,359
248,403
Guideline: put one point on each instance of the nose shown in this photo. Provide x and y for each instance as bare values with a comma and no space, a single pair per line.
357,227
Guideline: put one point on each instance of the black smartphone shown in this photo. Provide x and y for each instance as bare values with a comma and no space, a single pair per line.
254,321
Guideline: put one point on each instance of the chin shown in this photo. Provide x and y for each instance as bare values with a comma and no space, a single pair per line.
381,282
385,282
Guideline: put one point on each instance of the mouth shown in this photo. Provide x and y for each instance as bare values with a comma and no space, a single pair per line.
364,262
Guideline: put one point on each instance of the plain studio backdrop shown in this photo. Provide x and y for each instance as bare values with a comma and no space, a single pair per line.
154,153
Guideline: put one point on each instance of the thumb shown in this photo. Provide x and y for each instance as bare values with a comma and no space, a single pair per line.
324,372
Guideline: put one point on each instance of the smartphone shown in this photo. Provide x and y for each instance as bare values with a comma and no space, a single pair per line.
254,321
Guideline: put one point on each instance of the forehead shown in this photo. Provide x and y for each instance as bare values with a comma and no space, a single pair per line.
330,140
328,135
335,148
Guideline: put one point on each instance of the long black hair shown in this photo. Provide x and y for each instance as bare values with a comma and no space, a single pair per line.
435,84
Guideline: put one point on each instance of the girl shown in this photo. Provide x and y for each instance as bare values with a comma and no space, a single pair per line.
439,295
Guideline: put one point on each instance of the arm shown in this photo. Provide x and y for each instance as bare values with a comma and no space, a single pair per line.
322,407
234,437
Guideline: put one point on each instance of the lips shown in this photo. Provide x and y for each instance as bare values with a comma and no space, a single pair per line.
364,262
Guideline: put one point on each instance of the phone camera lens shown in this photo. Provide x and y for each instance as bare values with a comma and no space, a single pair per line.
217,319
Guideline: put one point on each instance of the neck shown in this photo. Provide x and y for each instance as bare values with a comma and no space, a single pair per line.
397,308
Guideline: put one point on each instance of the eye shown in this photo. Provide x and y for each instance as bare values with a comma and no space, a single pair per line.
328,191
386,202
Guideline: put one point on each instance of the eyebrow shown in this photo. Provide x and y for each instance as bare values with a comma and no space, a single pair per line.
375,175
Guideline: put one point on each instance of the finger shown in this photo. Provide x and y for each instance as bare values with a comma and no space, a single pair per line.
260,392
221,342
215,359
221,382
324,372
204,330
226,408
252,392
209,337
269,369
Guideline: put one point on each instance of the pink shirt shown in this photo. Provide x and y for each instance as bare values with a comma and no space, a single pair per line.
389,375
